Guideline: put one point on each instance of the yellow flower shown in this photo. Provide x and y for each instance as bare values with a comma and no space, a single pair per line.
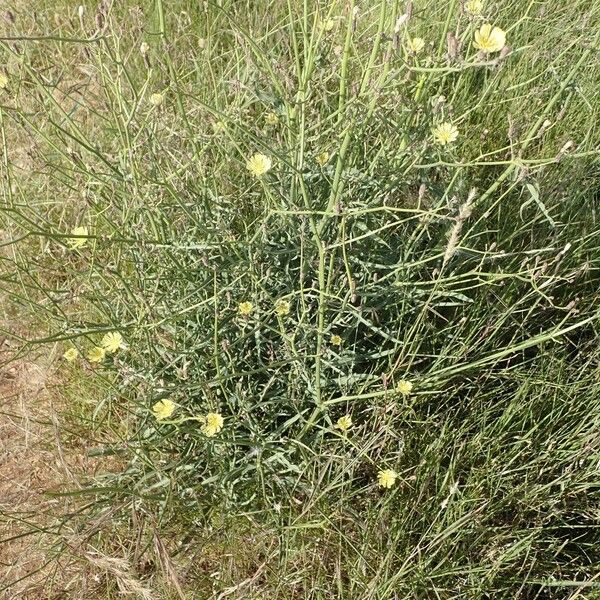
71,354
157,99
259,164
77,242
474,7
213,423
404,387
322,158
344,423
219,126
445,133
271,118
282,308
490,39
3,81
387,478
415,45
329,25
111,342
245,308
96,354
336,340
163,409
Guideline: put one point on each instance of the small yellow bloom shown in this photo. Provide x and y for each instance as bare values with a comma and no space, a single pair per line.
387,478
77,242
336,340
163,409
415,45
3,81
445,133
474,7
329,25
322,158
71,354
490,39
404,387
344,423
219,126
111,342
259,164
96,354
245,308
157,99
271,118
282,308
213,423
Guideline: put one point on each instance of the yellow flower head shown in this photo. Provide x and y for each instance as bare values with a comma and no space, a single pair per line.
344,423
77,242
445,133
282,308
336,340
474,7
259,164
490,39
213,423
219,126
163,409
157,99
271,118
71,354
112,341
322,158
3,81
329,25
415,45
404,387
245,308
96,354
387,478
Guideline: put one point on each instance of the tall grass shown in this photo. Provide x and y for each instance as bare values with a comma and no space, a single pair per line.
469,270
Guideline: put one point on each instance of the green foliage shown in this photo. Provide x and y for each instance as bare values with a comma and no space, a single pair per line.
470,270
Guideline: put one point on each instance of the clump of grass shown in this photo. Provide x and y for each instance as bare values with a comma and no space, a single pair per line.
296,213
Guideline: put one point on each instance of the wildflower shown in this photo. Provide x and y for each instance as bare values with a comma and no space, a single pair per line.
445,133
344,423
245,308
404,387
415,45
322,158
219,126
474,7
144,47
71,354
213,423
111,342
96,354
282,308
163,409
387,478
259,164
77,242
490,39
336,340
3,81
329,25
157,99
271,118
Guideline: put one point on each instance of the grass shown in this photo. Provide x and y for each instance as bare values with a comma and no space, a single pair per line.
469,270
